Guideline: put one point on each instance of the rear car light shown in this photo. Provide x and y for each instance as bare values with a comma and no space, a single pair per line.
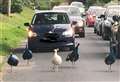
81,30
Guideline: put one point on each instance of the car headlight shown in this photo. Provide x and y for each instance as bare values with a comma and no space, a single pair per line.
31,34
68,33
80,23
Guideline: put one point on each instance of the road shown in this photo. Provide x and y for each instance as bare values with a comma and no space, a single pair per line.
89,68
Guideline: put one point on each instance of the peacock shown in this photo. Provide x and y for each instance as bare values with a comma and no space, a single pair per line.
110,58
27,54
13,60
74,56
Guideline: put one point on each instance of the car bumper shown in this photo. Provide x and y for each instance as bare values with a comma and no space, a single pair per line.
37,44
90,24
79,30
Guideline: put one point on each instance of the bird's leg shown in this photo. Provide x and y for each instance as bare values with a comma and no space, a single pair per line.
57,68
11,69
72,64
53,68
110,69
27,62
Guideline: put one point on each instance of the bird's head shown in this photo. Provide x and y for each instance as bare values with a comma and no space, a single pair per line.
57,49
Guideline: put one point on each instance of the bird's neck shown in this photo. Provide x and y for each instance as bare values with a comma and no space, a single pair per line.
55,54
76,50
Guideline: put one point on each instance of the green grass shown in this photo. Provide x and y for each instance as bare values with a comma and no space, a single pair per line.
12,29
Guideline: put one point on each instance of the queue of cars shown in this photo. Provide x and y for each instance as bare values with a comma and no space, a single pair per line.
56,28
77,21
108,27
104,22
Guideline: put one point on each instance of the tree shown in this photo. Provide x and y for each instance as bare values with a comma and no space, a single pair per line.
9,7
104,1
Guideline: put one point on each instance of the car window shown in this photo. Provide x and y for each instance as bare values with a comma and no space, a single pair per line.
78,4
51,18
74,12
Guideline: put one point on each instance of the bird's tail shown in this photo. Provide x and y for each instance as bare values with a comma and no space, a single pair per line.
67,59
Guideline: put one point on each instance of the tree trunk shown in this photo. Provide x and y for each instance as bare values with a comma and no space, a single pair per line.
9,8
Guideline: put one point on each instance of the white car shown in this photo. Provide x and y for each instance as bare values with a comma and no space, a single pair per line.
79,5
93,10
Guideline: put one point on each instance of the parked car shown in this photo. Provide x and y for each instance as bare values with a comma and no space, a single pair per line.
78,23
98,24
49,30
115,36
107,24
98,19
118,41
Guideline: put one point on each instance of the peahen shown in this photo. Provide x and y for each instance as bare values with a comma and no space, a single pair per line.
56,60
74,56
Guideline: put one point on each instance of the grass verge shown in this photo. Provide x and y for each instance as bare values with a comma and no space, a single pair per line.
12,30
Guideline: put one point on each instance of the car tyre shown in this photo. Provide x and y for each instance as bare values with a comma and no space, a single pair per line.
83,35
104,37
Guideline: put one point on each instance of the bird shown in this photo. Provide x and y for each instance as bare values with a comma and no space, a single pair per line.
56,60
110,59
13,60
74,55
27,55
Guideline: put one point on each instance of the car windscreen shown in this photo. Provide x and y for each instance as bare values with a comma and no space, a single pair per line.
74,12
50,18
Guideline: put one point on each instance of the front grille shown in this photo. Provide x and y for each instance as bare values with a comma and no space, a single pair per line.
51,37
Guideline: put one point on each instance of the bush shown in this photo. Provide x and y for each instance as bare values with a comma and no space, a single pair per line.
16,8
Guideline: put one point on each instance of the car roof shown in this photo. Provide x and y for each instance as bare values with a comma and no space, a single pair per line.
50,11
65,6
76,2
110,6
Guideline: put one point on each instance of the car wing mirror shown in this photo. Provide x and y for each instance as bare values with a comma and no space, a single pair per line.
83,14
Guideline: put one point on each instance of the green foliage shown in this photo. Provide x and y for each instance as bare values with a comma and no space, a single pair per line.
104,1
16,6
96,2
12,30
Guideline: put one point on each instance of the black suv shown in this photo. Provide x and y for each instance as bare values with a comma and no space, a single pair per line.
50,29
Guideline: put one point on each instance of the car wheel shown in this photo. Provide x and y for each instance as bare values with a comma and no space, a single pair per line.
104,37
95,31
82,35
